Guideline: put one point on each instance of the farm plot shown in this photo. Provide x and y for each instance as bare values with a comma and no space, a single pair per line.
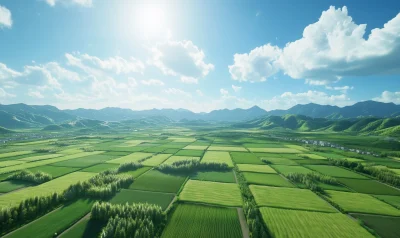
276,150
7,163
170,151
174,159
293,223
361,203
369,186
297,147
174,145
286,169
14,153
195,147
214,176
311,156
385,226
8,186
335,171
203,222
277,160
226,148
134,157
117,153
54,171
330,155
85,161
138,172
256,168
100,167
137,196
245,158
40,157
292,198
85,228
392,200
217,156
267,179
263,145
226,194
156,160
55,185
275,155
197,153
157,181
59,219
313,162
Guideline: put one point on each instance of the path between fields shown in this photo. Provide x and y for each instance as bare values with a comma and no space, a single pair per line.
243,223
234,174
87,217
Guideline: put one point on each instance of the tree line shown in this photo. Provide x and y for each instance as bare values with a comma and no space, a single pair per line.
310,180
25,175
191,165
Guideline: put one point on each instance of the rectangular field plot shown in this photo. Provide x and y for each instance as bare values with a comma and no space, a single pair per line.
157,181
156,160
85,161
214,176
60,220
226,148
292,198
275,155
392,200
313,162
197,153
196,147
138,172
170,151
203,222
54,171
134,157
293,223
40,157
267,179
297,147
174,145
385,226
263,145
8,186
369,186
15,153
174,159
256,168
137,196
276,150
85,228
100,167
286,169
226,194
7,163
217,156
361,203
154,150
281,161
311,156
55,185
335,171
245,158
330,155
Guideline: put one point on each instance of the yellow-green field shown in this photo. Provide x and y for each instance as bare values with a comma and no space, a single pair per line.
134,157
218,156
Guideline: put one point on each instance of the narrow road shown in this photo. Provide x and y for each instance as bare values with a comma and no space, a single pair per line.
87,217
243,223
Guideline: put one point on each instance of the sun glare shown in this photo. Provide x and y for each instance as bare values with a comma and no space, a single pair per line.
150,20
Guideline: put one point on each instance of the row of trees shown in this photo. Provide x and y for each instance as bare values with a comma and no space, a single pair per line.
254,220
136,220
129,167
310,180
191,165
25,175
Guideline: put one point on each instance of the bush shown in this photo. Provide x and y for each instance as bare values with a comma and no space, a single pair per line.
24,175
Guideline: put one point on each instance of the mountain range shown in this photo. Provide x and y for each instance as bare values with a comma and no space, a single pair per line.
17,116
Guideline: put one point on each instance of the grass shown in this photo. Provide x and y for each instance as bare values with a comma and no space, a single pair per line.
267,179
40,157
282,161
226,148
174,158
224,177
14,153
138,172
137,196
292,223
54,171
134,157
276,150
170,151
291,198
225,194
60,220
285,169
369,186
156,160
217,156
385,226
256,168
245,158
393,200
86,228
100,168
196,147
203,222
155,180
335,171
7,163
85,161
311,156
55,185
361,203
8,186
197,153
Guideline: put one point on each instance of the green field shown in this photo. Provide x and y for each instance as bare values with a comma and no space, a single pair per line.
7,163
196,147
134,157
174,159
291,198
267,179
54,171
40,157
84,228
217,156
285,169
385,226
138,172
85,161
361,203
11,185
263,145
293,223
203,222
214,176
14,153
335,171
312,156
160,182
276,150
137,196
369,186
245,158
256,168
100,167
281,161
225,194
216,147
170,151
197,153
392,200
156,160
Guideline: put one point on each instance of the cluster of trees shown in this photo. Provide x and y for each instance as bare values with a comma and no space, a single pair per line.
310,180
254,220
382,174
128,167
25,175
191,165
28,210
266,161
44,150
136,220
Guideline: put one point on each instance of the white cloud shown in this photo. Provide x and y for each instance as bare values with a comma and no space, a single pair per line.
180,58
5,17
83,3
4,94
223,92
35,94
152,82
175,91
343,89
7,73
199,92
236,88
331,48
388,96
189,80
132,82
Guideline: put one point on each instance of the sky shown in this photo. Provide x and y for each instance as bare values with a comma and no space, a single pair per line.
198,55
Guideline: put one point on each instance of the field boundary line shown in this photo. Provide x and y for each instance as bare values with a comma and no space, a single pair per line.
148,191
171,203
243,223
86,217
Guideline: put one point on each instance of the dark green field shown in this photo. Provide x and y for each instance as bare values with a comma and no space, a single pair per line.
137,196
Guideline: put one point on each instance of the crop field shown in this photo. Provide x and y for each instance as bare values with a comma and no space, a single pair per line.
225,194
384,226
245,158
226,148
54,171
8,186
137,196
7,163
335,171
392,200
286,169
217,156
174,159
276,150
294,223
156,160
312,162
154,150
203,222
277,160
361,203
311,156
278,155
100,167
369,186
15,153
256,168
195,147
292,198
214,176
40,157
138,172
267,179
170,151
297,147
263,145
160,182
85,161
197,153
134,157
174,145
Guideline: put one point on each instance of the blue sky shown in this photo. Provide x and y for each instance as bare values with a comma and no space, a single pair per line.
198,55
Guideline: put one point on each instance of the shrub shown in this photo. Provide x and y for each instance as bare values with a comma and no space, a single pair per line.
191,165
24,175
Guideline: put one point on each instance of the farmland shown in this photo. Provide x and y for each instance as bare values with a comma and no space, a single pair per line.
217,156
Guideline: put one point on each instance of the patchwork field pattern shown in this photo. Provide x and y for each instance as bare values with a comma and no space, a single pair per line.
385,226
335,171
134,157
285,169
369,186
256,168
157,181
245,158
217,156
267,179
214,176
226,148
137,196
156,160
276,150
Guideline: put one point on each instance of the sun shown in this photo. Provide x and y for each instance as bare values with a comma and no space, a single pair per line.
150,20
